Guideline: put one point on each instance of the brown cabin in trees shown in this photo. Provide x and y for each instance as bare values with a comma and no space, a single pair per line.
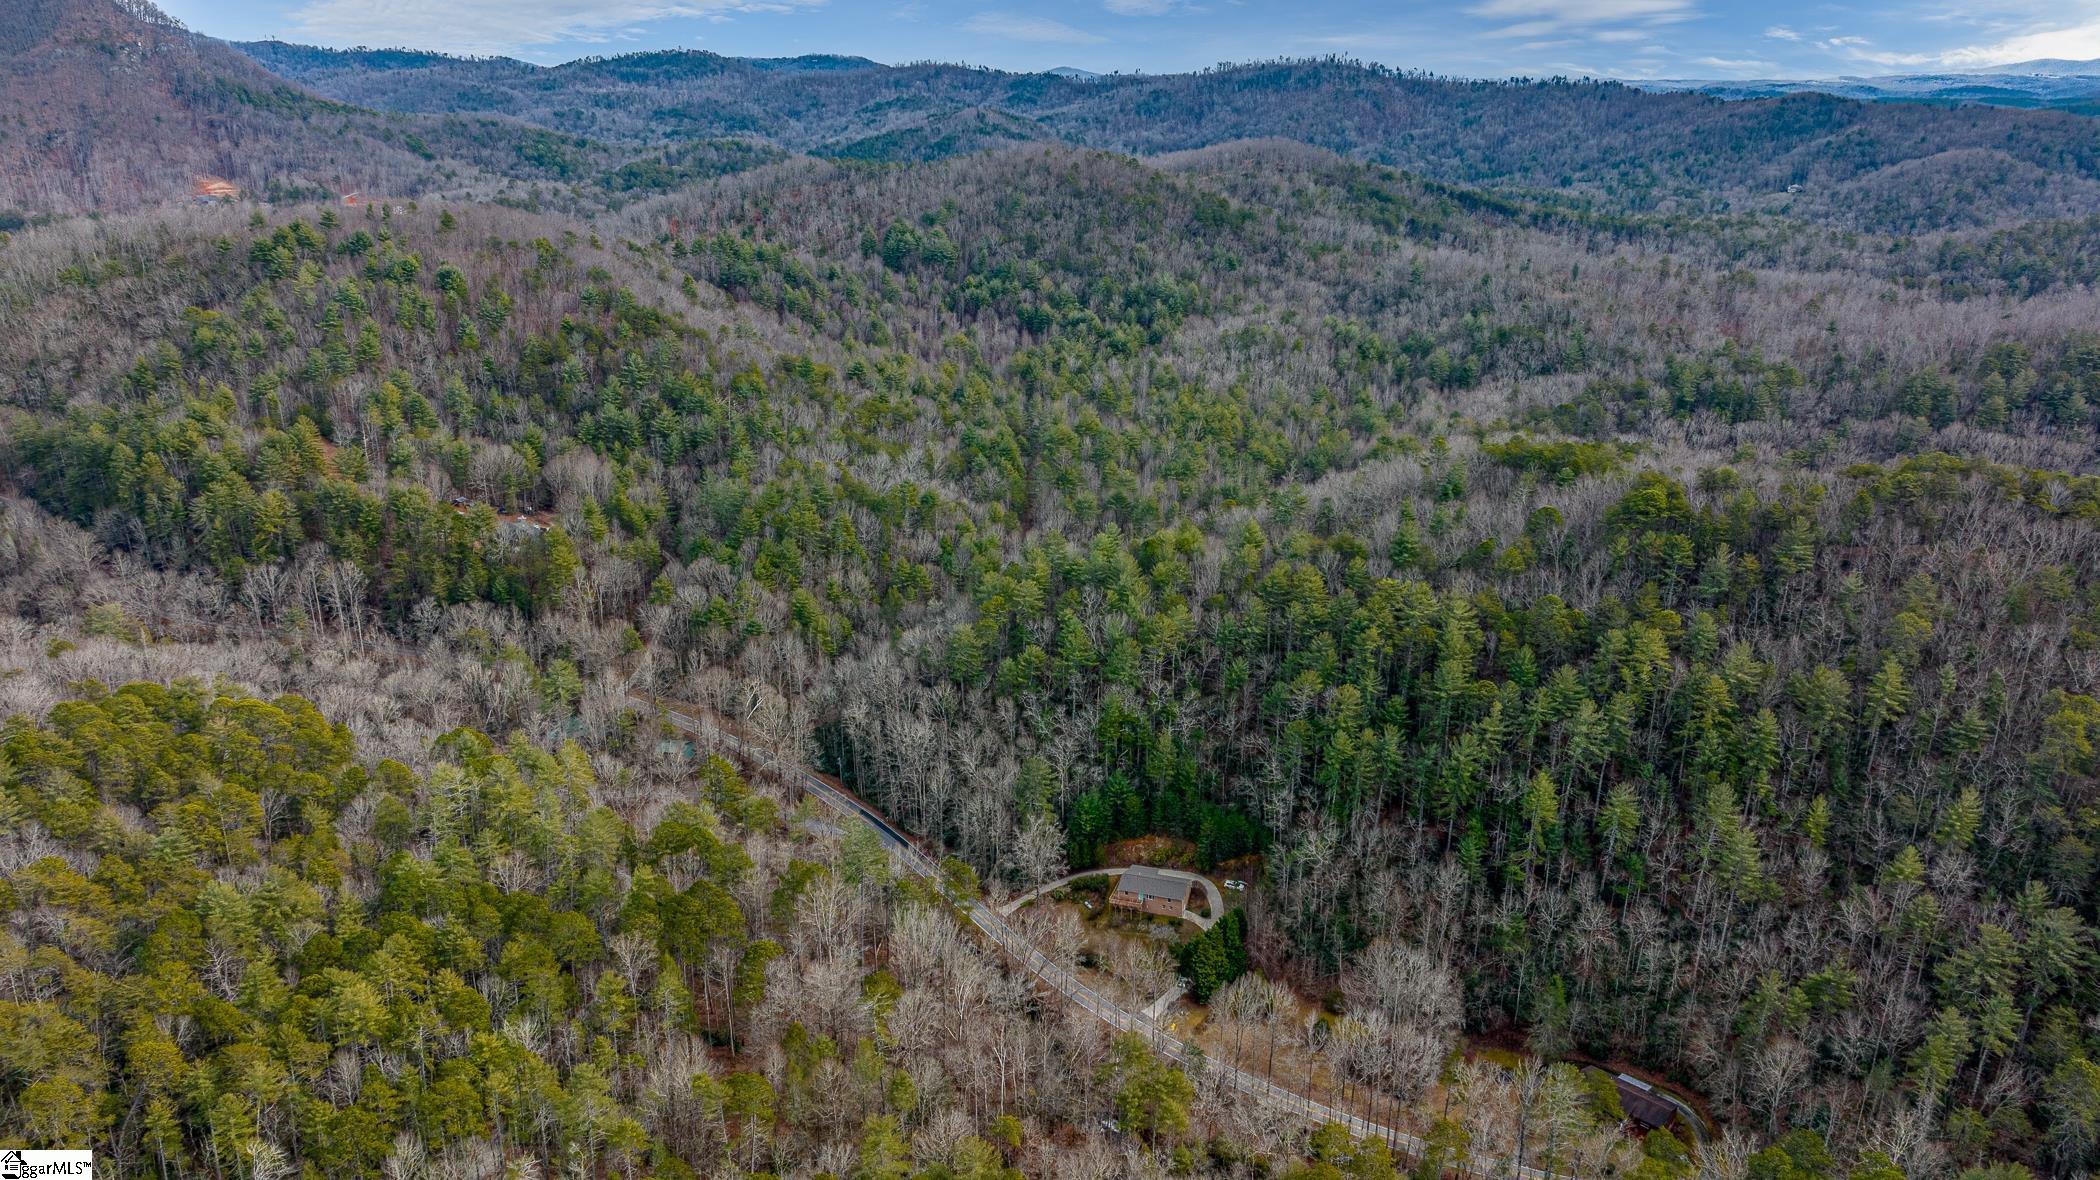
1146,888
1644,1107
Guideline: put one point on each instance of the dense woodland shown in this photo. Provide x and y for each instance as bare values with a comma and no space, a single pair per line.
1603,629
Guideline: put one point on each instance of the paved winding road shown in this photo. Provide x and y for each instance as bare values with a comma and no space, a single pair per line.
1071,987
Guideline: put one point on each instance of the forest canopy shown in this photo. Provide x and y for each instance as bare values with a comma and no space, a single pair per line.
1577,629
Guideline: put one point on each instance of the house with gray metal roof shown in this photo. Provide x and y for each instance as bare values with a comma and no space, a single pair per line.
1142,887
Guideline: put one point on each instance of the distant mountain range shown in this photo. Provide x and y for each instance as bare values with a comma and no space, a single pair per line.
1868,165
1865,165
115,106
2050,83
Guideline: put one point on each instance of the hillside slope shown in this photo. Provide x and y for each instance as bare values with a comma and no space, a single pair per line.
112,105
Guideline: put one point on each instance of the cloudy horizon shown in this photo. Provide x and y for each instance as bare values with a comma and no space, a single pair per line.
1630,39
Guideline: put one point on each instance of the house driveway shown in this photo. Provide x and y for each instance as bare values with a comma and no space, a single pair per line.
1210,891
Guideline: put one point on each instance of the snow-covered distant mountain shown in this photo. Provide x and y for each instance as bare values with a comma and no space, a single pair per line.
2048,67
2046,84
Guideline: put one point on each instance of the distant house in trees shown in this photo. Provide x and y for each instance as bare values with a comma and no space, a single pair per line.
211,189
520,527
1146,888
511,526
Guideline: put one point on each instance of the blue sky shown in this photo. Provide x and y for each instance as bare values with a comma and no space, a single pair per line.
1480,38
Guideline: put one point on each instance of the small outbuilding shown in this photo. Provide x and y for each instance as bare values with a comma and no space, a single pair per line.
1146,888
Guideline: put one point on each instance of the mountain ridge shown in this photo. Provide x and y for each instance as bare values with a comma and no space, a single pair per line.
1644,151
288,120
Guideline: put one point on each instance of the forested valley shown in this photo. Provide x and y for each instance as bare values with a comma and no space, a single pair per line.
1594,634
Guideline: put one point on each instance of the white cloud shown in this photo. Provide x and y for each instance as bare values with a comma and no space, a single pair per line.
1895,61
1740,65
2001,32
1534,17
1528,28
1859,49
1782,33
1015,27
501,26
2075,42
1139,7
